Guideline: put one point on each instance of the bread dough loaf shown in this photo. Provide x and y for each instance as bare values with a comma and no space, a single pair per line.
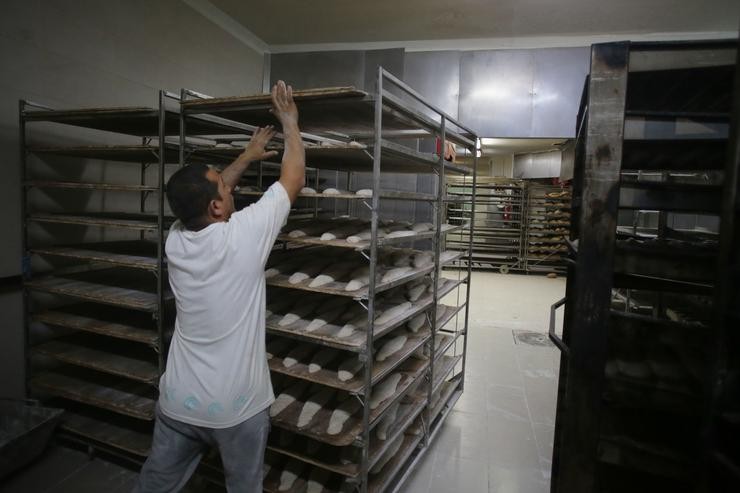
340,233
298,354
349,368
394,274
387,422
415,292
359,278
307,270
308,190
331,191
421,227
416,322
290,474
400,233
331,274
287,397
297,313
391,347
313,405
423,259
358,323
392,313
321,359
365,192
341,414
384,390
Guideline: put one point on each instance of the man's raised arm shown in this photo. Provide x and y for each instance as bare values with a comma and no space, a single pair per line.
255,151
293,169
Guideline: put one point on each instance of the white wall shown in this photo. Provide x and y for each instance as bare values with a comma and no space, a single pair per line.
76,53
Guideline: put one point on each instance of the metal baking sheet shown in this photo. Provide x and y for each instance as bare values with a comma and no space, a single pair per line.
73,185
133,254
411,372
139,121
364,245
395,158
120,287
115,394
124,153
442,369
387,194
133,440
103,320
119,360
328,376
337,288
328,457
143,222
378,482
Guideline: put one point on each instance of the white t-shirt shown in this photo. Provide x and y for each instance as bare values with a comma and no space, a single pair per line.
217,374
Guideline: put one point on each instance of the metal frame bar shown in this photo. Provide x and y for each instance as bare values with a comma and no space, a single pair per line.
25,256
590,283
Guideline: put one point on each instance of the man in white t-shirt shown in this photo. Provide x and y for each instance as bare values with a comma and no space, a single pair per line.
216,389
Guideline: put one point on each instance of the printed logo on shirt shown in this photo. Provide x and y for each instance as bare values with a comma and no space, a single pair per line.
239,402
215,408
169,394
191,403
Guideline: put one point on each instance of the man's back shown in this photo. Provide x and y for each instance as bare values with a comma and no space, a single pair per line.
217,374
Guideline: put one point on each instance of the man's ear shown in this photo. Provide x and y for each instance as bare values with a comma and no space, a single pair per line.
216,208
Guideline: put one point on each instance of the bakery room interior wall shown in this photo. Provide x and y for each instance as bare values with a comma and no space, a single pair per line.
82,53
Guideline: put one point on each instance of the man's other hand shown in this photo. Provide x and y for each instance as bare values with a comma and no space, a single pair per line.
283,106
255,150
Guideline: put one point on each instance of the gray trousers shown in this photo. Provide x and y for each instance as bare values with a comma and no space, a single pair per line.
177,448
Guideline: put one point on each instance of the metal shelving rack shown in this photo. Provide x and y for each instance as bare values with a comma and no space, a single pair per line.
638,336
105,302
428,385
546,226
498,237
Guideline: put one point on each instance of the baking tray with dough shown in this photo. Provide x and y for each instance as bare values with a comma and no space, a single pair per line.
345,460
283,265
328,375
442,369
329,334
410,372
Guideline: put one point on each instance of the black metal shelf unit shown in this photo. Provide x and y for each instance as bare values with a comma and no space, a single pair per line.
639,335
96,295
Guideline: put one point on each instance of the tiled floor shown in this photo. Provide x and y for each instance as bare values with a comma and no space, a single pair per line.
497,439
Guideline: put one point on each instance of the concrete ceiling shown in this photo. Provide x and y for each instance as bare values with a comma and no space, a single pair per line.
290,22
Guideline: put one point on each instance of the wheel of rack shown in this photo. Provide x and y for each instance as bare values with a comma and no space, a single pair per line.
500,212
392,401
546,226
639,331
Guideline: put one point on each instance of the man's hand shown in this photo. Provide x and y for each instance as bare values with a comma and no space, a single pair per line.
255,150
283,106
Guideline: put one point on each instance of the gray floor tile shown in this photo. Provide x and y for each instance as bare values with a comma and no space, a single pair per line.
452,474
516,480
511,443
90,478
507,403
421,478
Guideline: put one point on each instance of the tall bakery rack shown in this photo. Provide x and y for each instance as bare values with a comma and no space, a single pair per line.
350,131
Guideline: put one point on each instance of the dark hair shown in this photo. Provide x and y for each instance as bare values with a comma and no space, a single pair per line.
189,191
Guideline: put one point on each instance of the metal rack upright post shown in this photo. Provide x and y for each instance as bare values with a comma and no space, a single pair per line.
424,385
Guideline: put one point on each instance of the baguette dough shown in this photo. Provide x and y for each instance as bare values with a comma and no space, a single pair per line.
365,192
359,278
358,323
416,322
421,227
321,359
391,347
349,368
313,405
384,390
394,274
331,191
400,234
393,313
298,354
423,259
331,274
340,416
308,190
387,422
287,397
292,471
415,292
